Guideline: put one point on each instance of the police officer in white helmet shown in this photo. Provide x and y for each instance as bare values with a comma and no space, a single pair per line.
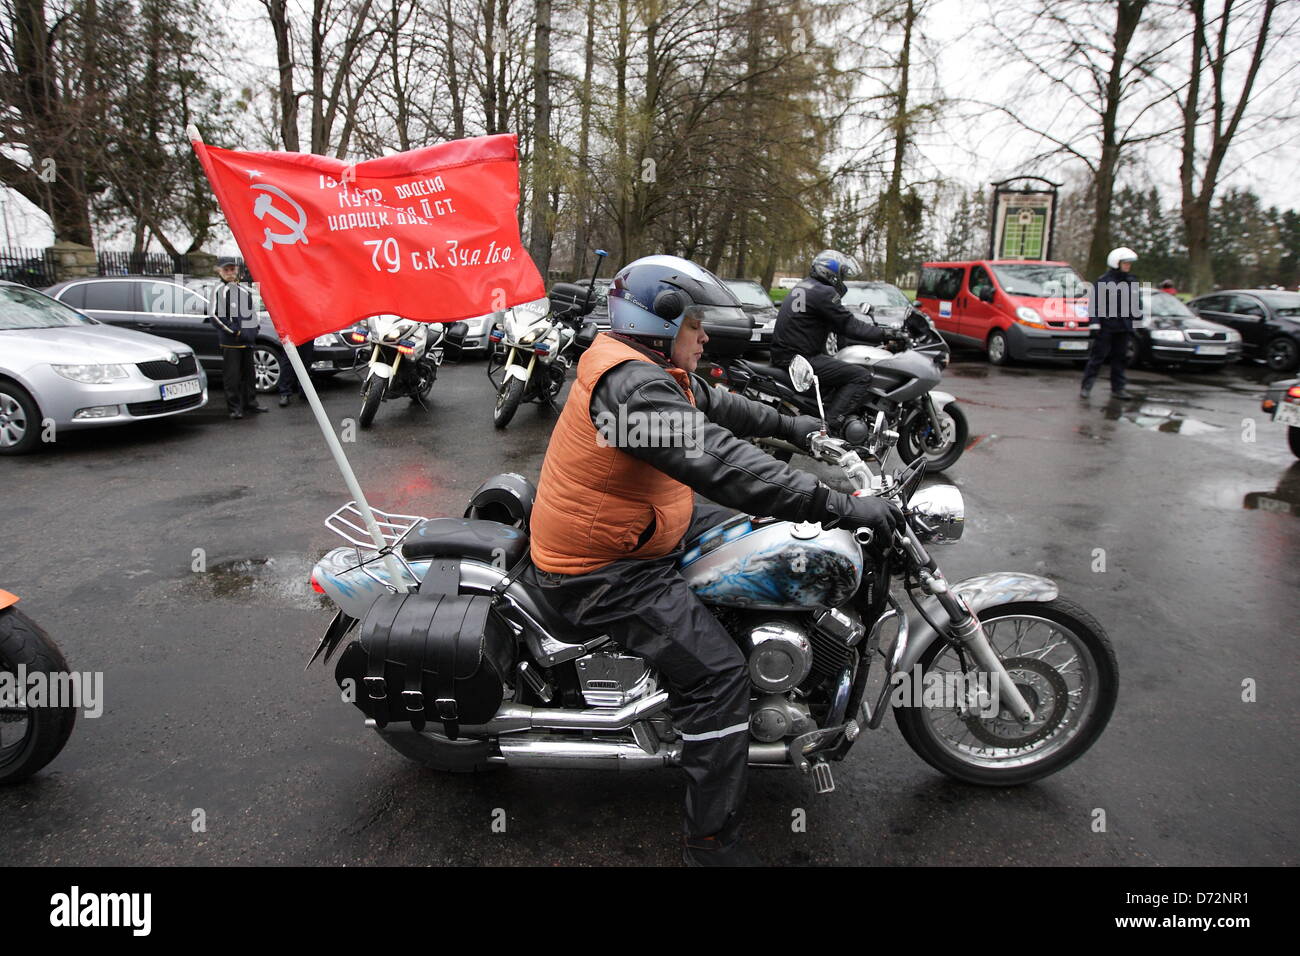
1114,304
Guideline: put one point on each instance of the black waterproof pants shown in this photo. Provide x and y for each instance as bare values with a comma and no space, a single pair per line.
844,387
650,611
237,378
288,378
1111,343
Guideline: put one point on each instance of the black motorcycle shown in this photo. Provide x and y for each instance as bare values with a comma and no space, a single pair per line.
904,409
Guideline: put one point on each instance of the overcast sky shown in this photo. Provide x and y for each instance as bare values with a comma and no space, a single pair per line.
973,151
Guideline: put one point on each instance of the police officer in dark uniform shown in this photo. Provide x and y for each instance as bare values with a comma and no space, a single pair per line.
1114,304
235,318
808,315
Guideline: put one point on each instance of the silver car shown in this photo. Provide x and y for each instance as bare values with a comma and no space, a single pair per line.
61,370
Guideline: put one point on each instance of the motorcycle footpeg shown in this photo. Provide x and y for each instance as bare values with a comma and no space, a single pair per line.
822,777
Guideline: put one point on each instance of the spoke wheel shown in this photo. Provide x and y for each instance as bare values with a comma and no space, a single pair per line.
1062,662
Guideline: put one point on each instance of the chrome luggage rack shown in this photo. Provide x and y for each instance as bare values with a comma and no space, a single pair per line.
350,525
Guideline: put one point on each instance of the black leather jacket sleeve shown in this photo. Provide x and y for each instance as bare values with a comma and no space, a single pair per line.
641,409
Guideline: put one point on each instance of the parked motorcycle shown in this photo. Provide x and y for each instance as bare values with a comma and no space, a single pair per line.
904,411
474,669
404,360
537,342
30,736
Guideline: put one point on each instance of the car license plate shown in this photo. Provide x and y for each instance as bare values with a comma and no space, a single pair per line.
1072,345
180,389
1287,414
1211,350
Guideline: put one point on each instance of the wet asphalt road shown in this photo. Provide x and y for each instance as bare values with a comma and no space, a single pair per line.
208,708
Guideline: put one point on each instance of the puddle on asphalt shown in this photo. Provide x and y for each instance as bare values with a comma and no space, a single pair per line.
1162,418
281,580
1282,500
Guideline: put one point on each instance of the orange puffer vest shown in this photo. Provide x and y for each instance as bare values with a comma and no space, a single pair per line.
594,501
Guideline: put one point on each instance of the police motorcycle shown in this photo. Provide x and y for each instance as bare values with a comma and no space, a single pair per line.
536,344
458,662
906,411
404,360
31,733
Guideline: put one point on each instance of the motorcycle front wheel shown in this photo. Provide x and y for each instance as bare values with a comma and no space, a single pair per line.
1062,662
941,452
372,393
30,737
509,395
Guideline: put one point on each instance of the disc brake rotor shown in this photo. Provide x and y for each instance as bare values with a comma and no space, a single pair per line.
1042,687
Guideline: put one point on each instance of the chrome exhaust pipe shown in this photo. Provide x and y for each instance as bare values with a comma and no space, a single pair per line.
557,752
514,718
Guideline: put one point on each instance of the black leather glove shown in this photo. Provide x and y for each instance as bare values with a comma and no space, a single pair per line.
896,340
881,515
797,429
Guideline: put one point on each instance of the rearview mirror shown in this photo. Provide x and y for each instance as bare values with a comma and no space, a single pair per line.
801,374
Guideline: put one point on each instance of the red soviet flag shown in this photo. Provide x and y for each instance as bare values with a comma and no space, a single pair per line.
429,234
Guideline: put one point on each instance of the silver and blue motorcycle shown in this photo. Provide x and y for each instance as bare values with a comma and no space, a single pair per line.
994,680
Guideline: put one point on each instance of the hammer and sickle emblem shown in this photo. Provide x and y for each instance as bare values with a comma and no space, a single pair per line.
296,224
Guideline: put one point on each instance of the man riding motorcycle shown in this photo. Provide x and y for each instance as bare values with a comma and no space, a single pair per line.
638,434
808,315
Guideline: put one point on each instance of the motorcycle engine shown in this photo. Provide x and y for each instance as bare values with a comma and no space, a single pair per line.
611,680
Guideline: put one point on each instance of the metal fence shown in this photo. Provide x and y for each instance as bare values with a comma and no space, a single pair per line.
143,264
31,267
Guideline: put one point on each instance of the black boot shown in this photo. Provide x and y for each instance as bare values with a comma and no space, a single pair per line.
709,851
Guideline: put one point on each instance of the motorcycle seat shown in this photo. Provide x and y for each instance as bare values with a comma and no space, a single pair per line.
487,541
777,374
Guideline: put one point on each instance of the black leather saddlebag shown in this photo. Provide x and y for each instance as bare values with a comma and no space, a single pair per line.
436,658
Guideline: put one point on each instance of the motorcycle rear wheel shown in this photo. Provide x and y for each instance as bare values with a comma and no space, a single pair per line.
439,753
967,748
509,395
45,730
912,442
372,393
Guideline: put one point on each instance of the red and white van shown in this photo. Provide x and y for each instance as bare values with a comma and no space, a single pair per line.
1010,308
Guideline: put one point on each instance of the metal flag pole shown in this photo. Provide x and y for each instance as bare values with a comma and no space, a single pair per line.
345,467
397,577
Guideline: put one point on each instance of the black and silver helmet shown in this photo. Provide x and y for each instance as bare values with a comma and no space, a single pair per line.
506,498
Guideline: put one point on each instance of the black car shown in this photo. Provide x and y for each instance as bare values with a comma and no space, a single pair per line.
1268,322
758,305
1172,334
178,308
879,303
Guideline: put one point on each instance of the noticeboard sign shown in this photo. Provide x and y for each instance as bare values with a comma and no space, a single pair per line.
1022,222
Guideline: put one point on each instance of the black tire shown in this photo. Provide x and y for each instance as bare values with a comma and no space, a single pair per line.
1132,353
439,753
20,419
23,642
997,350
1293,439
509,395
372,393
268,368
911,440
1282,354
918,732
423,385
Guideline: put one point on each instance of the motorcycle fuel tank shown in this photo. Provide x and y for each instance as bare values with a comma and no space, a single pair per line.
768,564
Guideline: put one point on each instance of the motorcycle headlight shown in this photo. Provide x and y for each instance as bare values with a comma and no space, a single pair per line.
1166,335
400,330
938,514
92,374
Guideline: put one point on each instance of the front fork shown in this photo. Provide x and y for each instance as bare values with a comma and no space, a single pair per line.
964,629
383,369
